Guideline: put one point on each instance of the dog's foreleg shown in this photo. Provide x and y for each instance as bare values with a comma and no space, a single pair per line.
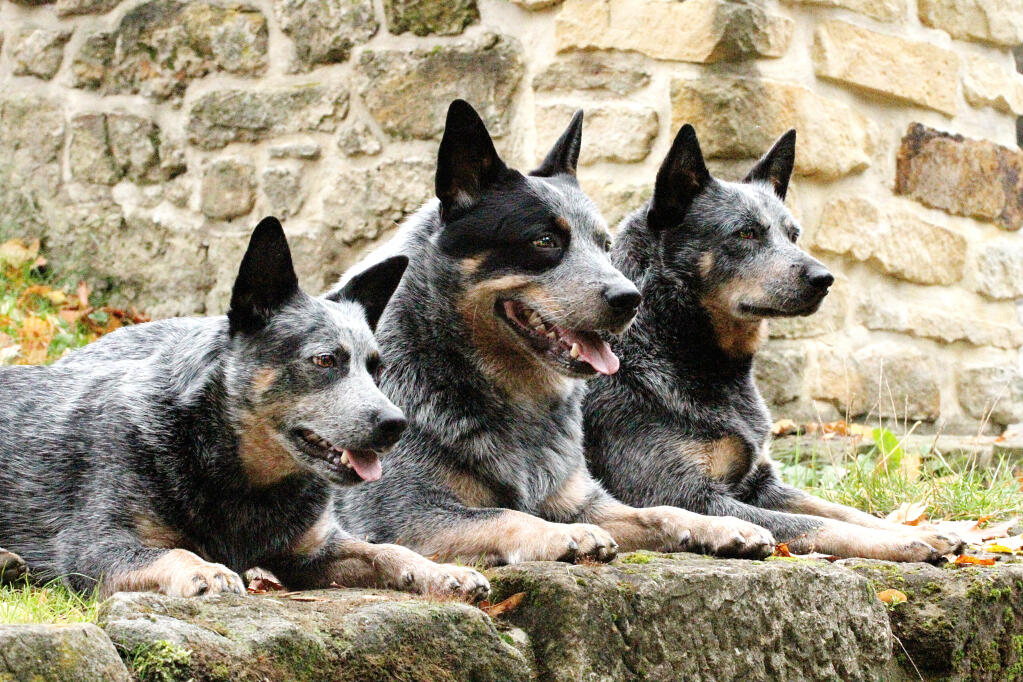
174,572
12,567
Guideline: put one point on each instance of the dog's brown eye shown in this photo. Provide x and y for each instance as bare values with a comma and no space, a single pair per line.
326,361
547,241
747,234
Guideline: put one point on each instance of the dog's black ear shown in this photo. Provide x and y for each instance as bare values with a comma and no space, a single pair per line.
467,163
681,177
563,157
373,288
776,165
266,279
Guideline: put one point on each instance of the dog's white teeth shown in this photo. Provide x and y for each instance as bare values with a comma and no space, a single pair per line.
575,351
343,459
535,319
541,329
552,336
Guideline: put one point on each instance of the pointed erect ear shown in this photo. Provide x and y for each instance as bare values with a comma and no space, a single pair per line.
775,168
467,163
266,279
563,157
373,288
681,177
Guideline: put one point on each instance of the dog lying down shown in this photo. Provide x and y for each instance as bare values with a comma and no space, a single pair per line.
173,455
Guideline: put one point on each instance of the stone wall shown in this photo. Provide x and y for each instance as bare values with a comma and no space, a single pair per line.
142,141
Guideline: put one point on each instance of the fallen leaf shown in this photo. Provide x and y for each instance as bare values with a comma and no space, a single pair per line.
782,550
996,549
509,604
973,533
892,597
908,514
784,427
262,585
967,560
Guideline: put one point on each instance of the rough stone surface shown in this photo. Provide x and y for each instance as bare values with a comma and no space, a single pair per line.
325,31
898,243
107,147
975,178
619,74
227,189
308,151
993,392
226,116
282,187
999,269
535,4
617,200
79,652
358,139
408,92
699,31
635,620
780,367
331,634
742,117
89,156
423,17
987,83
162,45
619,133
881,313
828,319
917,72
377,198
32,133
68,8
958,623
990,21
37,52
882,10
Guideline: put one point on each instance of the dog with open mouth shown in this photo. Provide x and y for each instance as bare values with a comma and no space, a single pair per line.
683,423
172,456
487,345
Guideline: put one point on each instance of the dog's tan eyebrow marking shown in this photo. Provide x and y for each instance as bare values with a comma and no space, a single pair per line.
563,225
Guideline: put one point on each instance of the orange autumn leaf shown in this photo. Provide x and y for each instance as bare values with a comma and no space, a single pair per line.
509,604
892,597
908,514
782,550
967,560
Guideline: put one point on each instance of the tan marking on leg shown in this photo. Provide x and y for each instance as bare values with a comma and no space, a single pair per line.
178,573
314,539
569,498
155,533
469,490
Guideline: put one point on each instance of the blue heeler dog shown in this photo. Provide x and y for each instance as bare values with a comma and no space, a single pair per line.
682,422
486,345
173,455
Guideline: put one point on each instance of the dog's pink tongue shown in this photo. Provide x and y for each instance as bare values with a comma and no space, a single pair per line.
366,464
594,351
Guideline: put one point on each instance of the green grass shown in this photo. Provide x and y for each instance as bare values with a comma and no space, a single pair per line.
954,488
22,603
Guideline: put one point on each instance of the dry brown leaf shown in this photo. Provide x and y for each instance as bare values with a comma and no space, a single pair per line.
509,604
973,532
17,252
967,560
892,597
782,550
784,427
262,585
909,514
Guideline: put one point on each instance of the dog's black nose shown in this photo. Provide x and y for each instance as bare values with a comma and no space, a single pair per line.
819,277
389,427
622,298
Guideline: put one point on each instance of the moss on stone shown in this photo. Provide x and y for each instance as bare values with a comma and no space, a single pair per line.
159,661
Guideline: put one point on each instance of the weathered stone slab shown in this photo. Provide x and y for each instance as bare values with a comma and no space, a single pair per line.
159,47
327,635
898,243
742,117
37,52
32,132
69,8
89,157
282,187
107,147
882,10
423,17
616,73
958,623
408,92
616,200
679,617
883,313
376,198
974,178
533,5
324,32
224,116
987,83
66,653
699,31
992,392
916,72
989,21
618,133
358,139
779,370
999,269
227,189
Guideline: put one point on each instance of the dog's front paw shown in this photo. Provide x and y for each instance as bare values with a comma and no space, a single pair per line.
201,579
904,547
944,543
727,536
12,566
460,581
565,542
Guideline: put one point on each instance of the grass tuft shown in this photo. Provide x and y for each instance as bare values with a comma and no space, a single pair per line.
24,604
